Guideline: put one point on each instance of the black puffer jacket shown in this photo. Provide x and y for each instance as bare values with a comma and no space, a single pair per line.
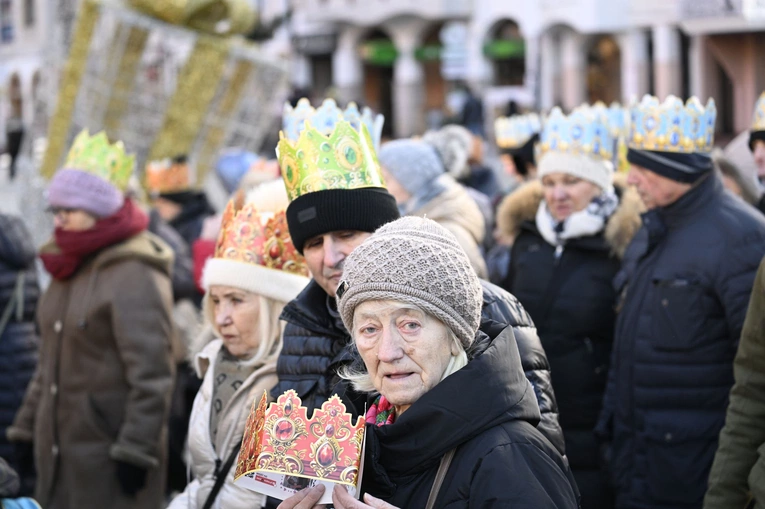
685,280
488,413
18,342
189,222
570,296
183,265
315,344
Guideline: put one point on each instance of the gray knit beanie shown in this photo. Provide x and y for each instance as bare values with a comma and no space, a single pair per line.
413,163
416,261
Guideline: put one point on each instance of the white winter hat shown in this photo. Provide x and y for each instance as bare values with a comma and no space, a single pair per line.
598,171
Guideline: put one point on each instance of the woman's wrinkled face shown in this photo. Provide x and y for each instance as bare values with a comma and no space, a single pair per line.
73,220
566,194
236,317
405,350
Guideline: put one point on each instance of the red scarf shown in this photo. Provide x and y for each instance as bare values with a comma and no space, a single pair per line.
75,247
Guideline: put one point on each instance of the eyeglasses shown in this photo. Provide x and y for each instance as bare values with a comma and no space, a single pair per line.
60,211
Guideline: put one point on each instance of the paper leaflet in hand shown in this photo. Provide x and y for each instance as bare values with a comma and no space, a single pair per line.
283,451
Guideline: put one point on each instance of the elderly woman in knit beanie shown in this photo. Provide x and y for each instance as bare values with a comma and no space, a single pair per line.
571,229
414,175
96,410
254,272
443,396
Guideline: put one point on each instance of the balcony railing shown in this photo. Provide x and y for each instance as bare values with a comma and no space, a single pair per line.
370,12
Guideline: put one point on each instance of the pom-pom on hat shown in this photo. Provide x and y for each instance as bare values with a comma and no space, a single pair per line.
419,262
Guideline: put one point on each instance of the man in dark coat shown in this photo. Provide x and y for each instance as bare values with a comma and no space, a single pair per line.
19,343
684,286
326,226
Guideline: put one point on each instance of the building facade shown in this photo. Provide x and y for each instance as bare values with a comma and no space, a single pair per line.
406,59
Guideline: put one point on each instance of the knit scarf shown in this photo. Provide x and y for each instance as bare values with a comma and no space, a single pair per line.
74,247
381,412
589,221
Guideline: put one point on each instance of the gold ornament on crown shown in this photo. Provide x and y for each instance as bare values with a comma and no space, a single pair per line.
344,159
672,126
95,155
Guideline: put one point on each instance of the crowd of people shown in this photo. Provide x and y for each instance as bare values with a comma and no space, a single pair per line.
593,336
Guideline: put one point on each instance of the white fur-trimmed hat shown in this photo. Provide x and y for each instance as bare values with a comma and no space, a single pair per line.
254,250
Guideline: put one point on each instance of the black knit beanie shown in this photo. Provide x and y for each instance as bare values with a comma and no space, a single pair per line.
364,209
680,167
755,136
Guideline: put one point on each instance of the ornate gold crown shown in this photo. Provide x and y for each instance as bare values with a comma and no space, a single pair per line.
94,154
326,117
758,124
282,440
671,126
249,236
166,176
345,159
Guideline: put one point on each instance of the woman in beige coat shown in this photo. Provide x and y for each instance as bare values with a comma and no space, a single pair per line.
255,271
96,410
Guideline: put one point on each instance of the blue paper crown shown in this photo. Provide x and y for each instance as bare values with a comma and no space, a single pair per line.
516,131
758,123
618,119
585,131
672,126
326,117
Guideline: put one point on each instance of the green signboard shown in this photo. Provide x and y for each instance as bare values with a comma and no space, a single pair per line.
429,52
505,48
380,52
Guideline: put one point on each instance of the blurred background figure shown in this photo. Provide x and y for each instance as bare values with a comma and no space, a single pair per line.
415,177
14,136
19,343
757,143
96,410
571,229
735,180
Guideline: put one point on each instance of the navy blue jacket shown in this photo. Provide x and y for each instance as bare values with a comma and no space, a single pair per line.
18,342
684,286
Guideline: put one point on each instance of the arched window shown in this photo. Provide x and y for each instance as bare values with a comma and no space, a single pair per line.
506,48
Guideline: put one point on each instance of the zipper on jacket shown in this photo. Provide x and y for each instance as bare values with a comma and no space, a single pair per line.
558,253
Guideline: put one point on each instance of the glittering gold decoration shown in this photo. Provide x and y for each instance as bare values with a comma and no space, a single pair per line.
197,84
129,61
220,17
74,69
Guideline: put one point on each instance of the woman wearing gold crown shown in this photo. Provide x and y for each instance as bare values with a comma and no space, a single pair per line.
571,228
255,271
96,409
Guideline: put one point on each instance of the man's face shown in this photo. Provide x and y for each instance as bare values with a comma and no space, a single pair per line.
655,190
759,159
326,254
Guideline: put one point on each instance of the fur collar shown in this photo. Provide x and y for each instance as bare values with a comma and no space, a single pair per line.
522,204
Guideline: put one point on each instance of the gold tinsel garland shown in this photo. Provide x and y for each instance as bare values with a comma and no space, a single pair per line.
123,84
230,101
58,128
197,85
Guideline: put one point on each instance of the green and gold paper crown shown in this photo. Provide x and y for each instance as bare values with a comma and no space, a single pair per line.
95,155
758,124
345,159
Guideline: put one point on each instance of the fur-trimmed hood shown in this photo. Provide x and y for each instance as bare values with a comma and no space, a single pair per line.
522,205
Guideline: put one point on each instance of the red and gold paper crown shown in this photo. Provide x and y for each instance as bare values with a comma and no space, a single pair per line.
282,440
167,176
249,236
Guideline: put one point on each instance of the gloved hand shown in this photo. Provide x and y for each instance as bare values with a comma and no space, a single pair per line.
132,479
24,457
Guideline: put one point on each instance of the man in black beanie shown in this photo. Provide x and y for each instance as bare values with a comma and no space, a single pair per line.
337,200
685,285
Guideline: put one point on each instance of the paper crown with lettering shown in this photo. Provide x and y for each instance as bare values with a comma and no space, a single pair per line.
280,440
254,250
326,117
581,144
672,126
758,123
95,155
514,132
168,176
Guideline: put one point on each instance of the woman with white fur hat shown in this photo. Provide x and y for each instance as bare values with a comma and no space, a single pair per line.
571,228
255,271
